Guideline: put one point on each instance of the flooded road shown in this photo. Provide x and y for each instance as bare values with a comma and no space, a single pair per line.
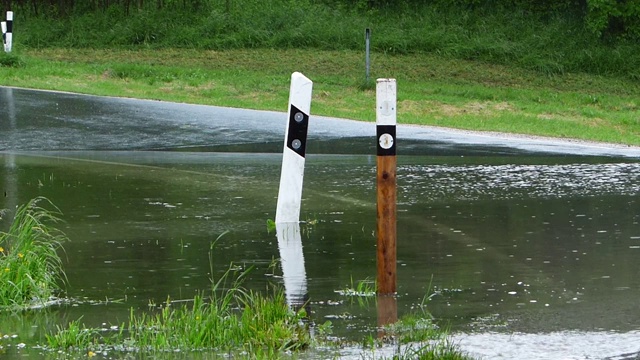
528,246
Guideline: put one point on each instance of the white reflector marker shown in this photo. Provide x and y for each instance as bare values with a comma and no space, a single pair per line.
295,145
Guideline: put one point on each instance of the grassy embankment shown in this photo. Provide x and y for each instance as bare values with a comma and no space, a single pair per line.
460,68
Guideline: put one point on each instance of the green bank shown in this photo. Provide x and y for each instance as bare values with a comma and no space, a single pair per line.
509,66
431,90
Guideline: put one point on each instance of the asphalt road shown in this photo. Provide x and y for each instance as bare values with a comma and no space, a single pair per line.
32,120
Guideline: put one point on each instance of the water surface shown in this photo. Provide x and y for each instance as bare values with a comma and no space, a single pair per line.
521,249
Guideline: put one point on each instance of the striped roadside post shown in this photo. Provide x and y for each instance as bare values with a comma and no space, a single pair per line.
386,185
8,34
3,26
293,155
290,192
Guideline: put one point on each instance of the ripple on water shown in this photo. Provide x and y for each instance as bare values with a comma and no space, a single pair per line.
555,345
476,182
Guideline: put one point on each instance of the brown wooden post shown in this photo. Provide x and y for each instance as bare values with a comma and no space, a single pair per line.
386,184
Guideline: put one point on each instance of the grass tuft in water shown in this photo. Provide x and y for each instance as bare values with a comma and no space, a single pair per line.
361,288
229,319
30,268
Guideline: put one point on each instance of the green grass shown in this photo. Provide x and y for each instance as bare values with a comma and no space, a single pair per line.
31,271
432,90
229,319
240,321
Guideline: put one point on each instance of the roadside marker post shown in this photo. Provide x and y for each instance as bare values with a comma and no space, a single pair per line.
7,32
293,155
386,185
3,26
367,37
290,191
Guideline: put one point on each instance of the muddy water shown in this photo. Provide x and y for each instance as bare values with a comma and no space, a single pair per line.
526,254
527,245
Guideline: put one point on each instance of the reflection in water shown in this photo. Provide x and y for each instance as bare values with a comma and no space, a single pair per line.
10,107
10,185
387,306
292,260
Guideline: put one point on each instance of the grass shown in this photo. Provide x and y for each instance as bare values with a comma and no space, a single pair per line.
237,322
31,270
432,90
229,319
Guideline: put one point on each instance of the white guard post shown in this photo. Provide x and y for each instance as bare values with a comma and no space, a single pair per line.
3,26
9,35
293,155
290,192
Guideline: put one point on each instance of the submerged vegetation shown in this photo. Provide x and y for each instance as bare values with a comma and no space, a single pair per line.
31,271
238,321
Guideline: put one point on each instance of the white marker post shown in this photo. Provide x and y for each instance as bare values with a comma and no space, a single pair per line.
9,33
386,184
290,192
3,26
293,155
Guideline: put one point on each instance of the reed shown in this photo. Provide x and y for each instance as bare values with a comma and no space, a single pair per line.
31,271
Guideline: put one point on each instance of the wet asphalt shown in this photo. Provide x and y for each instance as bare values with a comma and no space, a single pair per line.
33,120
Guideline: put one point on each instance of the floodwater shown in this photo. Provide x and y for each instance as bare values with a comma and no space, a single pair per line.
529,247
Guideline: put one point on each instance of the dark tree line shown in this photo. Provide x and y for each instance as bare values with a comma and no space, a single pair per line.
70,7
602,17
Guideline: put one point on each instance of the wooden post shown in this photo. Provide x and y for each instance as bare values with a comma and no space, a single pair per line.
367,36
386,184
293,154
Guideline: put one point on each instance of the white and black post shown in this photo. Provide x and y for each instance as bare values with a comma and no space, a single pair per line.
295,145
3,26
386,184
7,32
290,192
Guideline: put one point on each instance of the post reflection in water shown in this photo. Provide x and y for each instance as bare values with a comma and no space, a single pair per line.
10,107
387,312
10,186
292,262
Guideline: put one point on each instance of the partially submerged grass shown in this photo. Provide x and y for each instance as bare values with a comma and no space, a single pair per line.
418,337
362,290
31,271
227,320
